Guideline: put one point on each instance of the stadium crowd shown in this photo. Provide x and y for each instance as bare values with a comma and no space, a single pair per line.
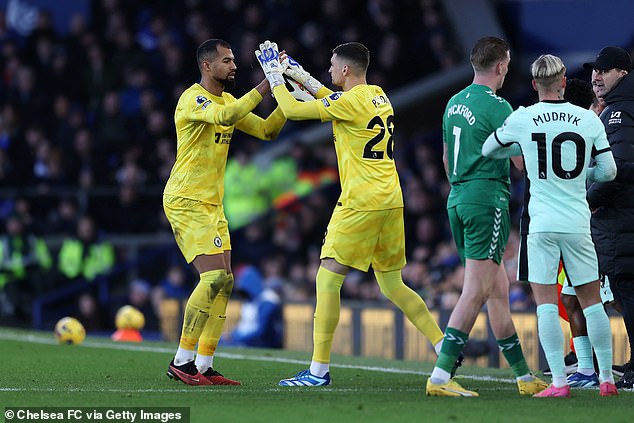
86,130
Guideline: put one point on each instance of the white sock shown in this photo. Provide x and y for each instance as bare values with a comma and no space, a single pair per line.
606,376
559,382
438,347
319,369
204,362
528,377
183,356
440,376
586,372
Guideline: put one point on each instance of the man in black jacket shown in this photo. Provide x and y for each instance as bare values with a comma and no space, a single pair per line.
612,202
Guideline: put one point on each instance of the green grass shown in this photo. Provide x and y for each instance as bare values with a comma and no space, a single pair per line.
99,373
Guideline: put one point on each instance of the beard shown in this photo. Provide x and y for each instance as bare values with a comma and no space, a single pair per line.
227,83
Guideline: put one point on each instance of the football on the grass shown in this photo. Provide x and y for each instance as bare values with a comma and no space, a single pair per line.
69,330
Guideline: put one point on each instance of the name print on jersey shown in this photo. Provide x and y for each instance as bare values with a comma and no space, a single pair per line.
556,116
462,110
380,100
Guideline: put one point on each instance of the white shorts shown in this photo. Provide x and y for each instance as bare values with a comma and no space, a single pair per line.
545,249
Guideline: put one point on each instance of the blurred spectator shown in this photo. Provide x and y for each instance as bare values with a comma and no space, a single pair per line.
90,313
85,254
174,285
63,218
139,296
261,321
24,264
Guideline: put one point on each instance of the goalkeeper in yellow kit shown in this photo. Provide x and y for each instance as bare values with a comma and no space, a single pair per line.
205,119
366,228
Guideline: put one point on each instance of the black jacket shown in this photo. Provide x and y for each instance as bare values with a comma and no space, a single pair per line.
613,221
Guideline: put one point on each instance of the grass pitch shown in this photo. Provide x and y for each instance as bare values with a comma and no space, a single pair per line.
37,372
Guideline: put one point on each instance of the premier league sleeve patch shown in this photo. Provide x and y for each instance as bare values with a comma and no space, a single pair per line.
201,99
334,96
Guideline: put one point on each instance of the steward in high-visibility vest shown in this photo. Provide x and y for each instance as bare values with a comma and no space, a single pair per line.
85,256
20,252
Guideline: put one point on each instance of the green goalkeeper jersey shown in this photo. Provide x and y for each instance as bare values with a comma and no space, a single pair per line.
470,117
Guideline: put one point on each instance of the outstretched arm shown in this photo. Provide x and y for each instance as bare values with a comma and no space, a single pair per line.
293,109
223,114
496,149
264,129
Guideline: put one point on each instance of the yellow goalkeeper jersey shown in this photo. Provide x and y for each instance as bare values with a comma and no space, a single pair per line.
363,131
204,126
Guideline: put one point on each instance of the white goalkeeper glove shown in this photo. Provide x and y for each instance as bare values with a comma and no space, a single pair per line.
297,90
299,74
269,57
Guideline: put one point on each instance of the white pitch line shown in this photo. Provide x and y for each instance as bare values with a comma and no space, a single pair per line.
232,356
196,389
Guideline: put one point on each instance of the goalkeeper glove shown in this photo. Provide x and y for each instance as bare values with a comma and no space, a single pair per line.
299,74
297,90
269,58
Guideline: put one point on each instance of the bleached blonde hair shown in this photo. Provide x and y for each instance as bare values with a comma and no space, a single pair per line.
547,69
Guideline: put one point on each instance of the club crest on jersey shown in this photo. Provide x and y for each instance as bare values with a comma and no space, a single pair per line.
217,242
201,99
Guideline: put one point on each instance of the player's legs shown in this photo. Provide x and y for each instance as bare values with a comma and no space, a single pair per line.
506,335
480,234
461,322
476,287
195,226
330,278
410,303
387,262
542,254
210,335
598,324
549,330
349,242
580,261
196,315
583,348
198,307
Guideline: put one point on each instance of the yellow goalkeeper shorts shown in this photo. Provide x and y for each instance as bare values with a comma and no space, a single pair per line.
362,238
199,228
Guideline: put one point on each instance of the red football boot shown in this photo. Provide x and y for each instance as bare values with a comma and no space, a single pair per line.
215,378
187,373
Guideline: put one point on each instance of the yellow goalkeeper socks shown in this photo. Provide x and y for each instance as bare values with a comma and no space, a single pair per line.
326,313
198,308
212,331
412,305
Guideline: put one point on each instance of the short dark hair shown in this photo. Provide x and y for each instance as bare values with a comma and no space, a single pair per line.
487,51
579,93
208,50
357,53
